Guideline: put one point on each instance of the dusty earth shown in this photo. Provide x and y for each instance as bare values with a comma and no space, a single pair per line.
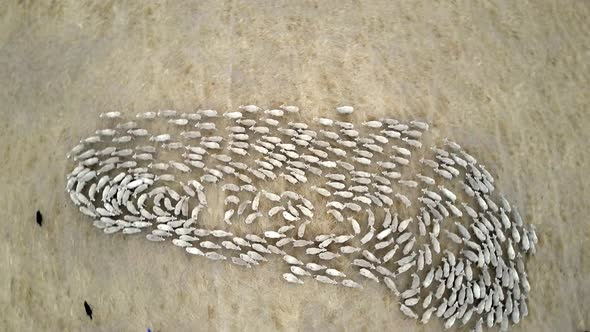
507,79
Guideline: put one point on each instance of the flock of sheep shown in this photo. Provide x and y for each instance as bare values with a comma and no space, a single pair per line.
340,203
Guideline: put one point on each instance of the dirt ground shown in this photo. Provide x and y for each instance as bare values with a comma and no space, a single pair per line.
507,79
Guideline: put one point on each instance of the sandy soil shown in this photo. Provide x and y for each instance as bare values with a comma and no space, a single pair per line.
507,79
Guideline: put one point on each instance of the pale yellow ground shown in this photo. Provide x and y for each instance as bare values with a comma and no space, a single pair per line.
507,79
